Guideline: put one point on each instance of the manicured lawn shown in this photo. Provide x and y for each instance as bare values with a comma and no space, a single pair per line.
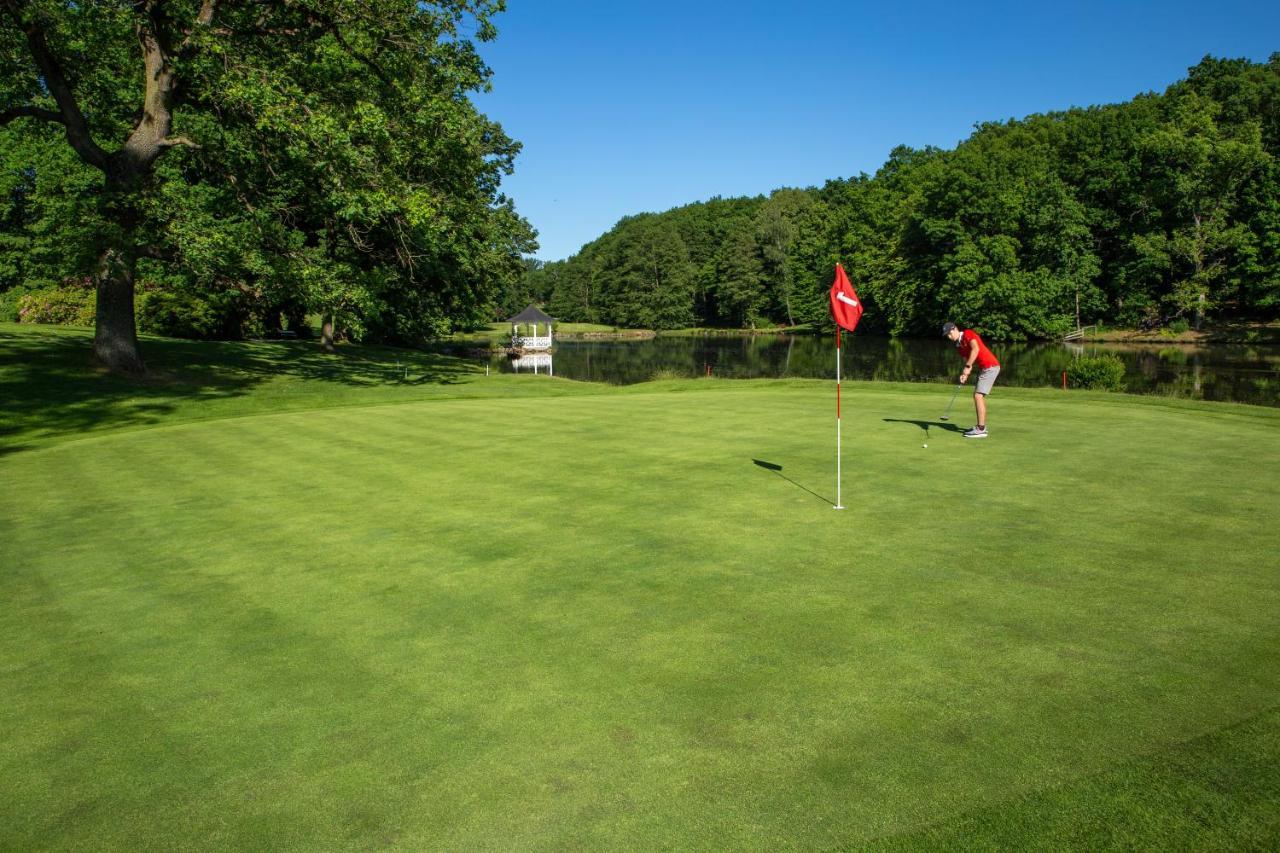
467,612
50,391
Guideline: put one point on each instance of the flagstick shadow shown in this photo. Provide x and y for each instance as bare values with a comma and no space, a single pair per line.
924,425
777,469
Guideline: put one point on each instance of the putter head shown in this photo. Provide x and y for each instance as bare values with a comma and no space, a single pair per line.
945,418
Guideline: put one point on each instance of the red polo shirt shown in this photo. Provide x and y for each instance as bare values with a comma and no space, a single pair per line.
985,357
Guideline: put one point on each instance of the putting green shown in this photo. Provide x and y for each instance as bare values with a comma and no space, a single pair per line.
597,621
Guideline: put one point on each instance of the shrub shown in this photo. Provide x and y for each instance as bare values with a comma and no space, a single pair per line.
1098,372
176,314
10,299
70,305
239,317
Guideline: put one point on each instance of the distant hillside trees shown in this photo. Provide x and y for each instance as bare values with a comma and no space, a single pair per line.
1161,209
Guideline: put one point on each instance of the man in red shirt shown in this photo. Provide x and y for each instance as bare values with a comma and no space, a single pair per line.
974,351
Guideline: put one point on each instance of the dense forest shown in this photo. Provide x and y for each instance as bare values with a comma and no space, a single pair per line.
1161,211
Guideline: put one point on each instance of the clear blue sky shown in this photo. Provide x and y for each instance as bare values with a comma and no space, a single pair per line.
626,107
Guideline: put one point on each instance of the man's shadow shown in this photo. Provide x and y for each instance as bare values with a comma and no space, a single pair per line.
924,425
777,469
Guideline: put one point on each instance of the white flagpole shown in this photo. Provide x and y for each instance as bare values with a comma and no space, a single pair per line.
838,505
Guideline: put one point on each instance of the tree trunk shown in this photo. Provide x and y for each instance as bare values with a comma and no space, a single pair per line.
326,333
115,335
1199,276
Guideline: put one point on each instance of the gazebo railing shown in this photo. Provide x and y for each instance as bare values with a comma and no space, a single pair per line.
534,342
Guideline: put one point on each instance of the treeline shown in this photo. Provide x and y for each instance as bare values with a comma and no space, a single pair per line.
1163,210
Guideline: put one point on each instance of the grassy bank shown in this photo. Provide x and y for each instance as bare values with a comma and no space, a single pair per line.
52,392
300,603
1218,333
499,334
763,330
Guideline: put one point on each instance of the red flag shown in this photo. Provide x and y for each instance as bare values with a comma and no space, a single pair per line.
846,307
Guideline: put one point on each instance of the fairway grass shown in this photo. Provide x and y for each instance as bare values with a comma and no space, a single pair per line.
533,614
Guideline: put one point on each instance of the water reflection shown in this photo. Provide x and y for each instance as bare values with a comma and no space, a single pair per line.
537,362
1249,374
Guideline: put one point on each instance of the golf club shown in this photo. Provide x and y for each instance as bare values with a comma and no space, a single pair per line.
946,415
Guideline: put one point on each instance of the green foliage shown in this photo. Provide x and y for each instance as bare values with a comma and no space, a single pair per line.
10,298
532,288
48,218
1101,372
177,314
1195,167
698,265
169,310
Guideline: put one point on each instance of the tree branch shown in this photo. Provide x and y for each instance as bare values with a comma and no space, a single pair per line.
336,32
156,253
204,20
205,16
312,28
51,70
12,113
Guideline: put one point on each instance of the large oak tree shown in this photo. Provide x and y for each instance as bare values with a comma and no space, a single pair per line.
321,149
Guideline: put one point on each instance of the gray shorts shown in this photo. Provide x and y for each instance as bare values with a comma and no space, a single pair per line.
986,379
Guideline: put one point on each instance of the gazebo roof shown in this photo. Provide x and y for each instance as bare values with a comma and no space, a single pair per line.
532,314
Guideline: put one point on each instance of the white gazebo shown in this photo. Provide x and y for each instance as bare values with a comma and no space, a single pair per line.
531,319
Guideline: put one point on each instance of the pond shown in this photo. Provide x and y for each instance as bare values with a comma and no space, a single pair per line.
1239,373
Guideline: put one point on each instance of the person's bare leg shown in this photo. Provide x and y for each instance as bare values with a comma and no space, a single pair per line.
980,407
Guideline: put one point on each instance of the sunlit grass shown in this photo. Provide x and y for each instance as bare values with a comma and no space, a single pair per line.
510,612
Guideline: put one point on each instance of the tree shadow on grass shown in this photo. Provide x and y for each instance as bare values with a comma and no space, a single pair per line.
777,469
49,385
924,425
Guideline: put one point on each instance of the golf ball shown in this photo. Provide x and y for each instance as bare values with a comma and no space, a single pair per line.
924,445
